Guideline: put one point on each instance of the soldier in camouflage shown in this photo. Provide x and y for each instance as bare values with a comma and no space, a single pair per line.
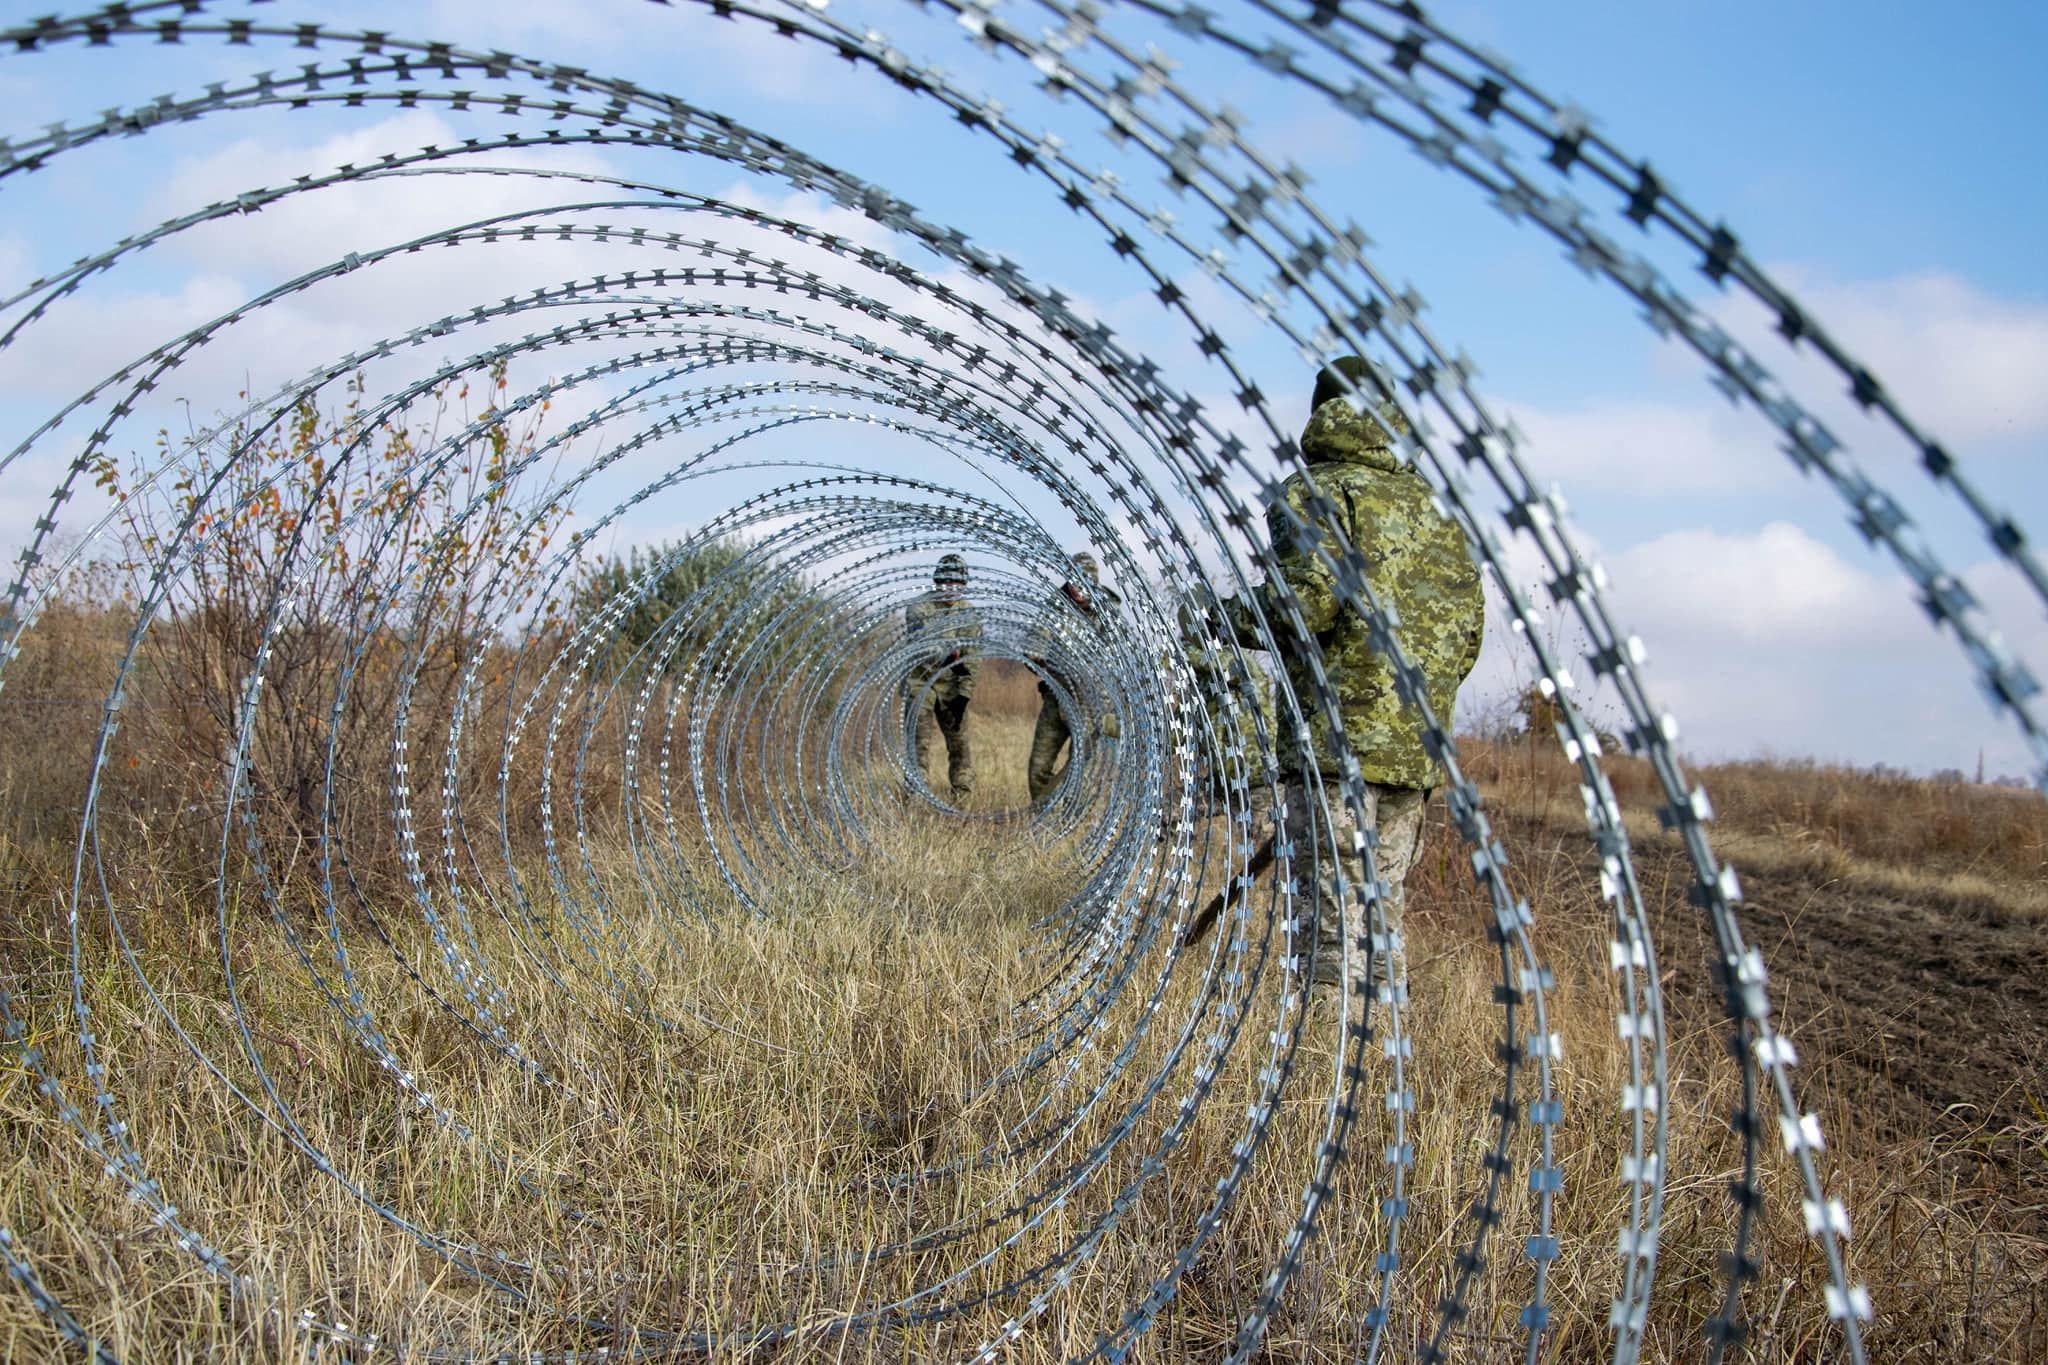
1081,600
948,630
1418,565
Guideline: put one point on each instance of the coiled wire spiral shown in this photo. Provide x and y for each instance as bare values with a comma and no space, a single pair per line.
761,716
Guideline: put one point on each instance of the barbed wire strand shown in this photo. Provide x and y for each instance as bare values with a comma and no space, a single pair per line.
766,717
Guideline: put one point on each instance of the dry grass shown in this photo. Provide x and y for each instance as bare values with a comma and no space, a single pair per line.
770,1089
1974,848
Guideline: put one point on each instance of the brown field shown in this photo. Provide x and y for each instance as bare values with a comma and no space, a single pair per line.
816,1056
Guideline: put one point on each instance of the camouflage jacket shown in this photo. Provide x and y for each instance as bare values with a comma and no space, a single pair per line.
942,625
1071,624
1416,562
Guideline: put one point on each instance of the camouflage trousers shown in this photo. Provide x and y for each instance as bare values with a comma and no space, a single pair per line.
948,717
1048,737
1393,827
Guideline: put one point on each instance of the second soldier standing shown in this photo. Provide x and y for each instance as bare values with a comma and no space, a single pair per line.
1081,599
948,630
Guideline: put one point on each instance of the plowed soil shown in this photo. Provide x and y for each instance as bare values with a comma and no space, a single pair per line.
1915,1017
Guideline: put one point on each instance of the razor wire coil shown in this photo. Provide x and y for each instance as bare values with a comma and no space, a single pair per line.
762,718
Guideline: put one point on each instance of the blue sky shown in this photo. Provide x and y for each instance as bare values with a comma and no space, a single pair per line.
1876,156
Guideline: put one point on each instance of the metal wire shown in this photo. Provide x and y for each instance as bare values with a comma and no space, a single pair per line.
762,719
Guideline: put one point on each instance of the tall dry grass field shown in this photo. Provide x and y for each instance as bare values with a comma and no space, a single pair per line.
727,1119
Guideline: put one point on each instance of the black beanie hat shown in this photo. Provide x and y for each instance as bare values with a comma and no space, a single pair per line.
1330,381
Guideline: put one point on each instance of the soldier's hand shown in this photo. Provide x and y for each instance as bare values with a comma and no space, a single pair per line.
1234,615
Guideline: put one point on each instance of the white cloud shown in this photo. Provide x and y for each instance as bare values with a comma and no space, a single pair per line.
1777,587
816,211
1650,449
1968,364
86,338
17,268
90,334
221,265
1971,367
1771,642
225,263
735,53
304,231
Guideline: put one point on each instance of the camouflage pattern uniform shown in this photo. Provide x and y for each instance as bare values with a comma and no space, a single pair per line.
950,630
1074,603
1417,564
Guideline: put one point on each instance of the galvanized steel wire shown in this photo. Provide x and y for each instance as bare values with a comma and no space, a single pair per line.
764,718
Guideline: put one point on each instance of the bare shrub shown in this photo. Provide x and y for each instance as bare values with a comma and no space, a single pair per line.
294,573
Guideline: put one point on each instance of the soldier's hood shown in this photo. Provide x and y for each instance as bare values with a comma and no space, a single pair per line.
1339,433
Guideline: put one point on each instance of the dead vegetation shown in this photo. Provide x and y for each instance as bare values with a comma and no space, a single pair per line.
724,1114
